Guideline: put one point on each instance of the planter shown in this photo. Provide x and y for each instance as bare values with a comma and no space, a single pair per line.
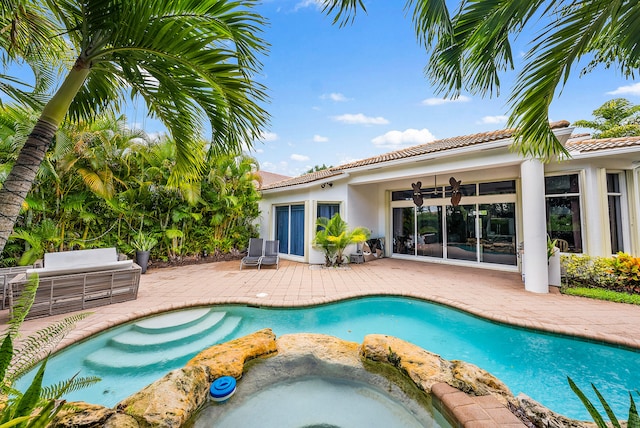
554,268
142,258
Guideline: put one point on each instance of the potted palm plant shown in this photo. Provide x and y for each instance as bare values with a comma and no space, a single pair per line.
333,237
143,243
553,260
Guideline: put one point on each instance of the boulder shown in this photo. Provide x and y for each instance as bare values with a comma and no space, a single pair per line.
543,417
80,414
169,401
423,367
229,358
476,381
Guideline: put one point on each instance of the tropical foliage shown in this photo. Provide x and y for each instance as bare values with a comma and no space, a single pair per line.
617,273
38,405
471,48
615,118
333,236
101,184
633,421
190,62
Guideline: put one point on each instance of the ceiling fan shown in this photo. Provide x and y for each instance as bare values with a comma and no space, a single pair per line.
418,193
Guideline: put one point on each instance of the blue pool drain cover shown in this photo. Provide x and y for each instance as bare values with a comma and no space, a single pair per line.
222,388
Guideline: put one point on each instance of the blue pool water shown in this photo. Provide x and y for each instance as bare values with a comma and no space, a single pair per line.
131,356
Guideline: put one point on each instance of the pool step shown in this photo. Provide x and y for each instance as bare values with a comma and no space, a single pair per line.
172,321
112,358
162,337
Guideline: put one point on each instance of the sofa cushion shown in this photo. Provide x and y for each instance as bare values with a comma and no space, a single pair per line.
77,258
82,268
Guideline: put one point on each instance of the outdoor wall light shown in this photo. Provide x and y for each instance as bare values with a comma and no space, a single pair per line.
323,185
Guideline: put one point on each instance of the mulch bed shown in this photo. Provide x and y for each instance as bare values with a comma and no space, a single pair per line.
195,260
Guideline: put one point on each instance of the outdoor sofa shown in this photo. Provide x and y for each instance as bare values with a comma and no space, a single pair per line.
78,280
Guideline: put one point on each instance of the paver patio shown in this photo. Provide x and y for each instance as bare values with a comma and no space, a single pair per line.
495,295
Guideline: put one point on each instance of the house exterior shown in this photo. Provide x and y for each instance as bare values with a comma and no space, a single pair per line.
507,207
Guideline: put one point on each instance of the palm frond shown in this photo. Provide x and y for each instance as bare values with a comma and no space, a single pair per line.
40,344
22,305
75,383
607,408
595,415
548,67
633,420
31,396
344,11
190,62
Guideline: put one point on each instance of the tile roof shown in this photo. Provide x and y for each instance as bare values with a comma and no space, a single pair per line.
601,144
422,149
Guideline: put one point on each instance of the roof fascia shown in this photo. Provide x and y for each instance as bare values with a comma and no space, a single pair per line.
309,184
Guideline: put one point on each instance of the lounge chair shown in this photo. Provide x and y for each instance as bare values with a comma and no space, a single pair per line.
271,256
254,253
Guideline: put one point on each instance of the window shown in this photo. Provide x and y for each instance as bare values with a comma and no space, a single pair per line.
614,196
328,210
498,187
290,229
563,210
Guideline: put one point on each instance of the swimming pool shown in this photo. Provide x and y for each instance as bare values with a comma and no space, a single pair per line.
536,364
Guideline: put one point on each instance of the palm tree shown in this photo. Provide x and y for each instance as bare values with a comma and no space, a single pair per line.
615,118
333,237
30,38
471,48
189,61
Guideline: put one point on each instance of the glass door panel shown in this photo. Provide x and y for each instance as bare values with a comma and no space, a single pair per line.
498,230
461,233
404,230
296,246
429,236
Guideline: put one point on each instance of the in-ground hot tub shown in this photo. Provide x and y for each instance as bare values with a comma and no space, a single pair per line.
304,391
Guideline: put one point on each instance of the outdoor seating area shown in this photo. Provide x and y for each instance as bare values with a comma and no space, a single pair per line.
261,252
77,280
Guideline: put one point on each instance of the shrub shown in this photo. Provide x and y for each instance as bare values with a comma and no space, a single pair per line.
581,270
617,273
626,270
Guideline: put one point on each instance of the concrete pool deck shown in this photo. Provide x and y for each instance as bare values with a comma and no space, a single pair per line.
495,295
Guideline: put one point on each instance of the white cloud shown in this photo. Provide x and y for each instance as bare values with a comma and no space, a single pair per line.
319,139
309,3
360,119
335,96
440,101
493,119
299,158
268,137
280,167
630,89
399,139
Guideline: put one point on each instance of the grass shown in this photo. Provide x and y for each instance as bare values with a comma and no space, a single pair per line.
602,294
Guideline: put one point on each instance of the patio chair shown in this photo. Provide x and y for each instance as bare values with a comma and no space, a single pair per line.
254,253
271,256
563,245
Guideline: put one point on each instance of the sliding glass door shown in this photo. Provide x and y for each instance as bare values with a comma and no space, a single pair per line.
483,232
290,229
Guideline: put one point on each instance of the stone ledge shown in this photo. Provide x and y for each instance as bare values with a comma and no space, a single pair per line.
466,395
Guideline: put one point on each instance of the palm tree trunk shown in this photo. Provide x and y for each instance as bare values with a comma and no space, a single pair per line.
20,179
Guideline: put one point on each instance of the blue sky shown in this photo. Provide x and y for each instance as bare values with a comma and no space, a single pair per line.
340,94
